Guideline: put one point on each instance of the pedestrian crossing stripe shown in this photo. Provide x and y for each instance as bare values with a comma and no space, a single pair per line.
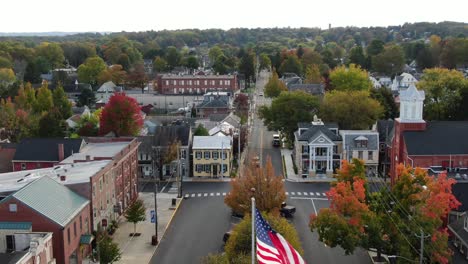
318,194
193,195
205,195
299,193
211,194
224,194
217,194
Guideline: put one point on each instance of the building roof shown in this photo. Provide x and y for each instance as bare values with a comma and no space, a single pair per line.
459,191
439,138
98,150
146,143
233,120
46,149
16,225
315,130
215,103
51,199
13,257
351,136
211,142
75,173
412,93
459,228
166,135
198,76
107,87
311,88
218,117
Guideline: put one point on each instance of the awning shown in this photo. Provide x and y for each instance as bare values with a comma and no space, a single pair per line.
86,239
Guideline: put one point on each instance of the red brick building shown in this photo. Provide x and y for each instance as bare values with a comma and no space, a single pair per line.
37,153
441,144
52,207
196,84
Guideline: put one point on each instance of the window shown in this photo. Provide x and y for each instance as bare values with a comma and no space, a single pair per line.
182,82
213,82
199,168
198,154
207,155
224,168
68,235
228,82
167,82
224,155
81,223
360,155
183,154
305,149
74,229
23,166
94,212
86,225
370,155
100,184
13,208
361,143
190,82
206,82
94,189
38,165
207,168
215,155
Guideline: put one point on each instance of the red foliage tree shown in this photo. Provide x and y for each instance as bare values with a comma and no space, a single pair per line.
122,116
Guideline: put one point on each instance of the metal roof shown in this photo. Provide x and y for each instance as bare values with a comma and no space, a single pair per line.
211,142
16,225
51,199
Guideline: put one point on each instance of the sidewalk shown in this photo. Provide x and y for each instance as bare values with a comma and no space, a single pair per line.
139,249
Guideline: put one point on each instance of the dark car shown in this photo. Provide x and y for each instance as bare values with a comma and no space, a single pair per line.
226,236
287,210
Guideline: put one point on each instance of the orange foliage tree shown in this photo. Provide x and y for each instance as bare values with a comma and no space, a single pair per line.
387,219
122,116
269,190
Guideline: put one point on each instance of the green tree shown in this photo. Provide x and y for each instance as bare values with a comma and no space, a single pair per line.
264,61
5,62
173,57
89,71
350,79
159,64
26,97
109,251
454,53
357,57
136,213
274,86
288,109
32,72
445,94
51,124
219,65
214,53
350,109
7,76
385,98
62,103
44,101
192,63
201,131
239,243
87,98
311,57
312,74
247,67
375,47
77,52
52,52
291,65
390,62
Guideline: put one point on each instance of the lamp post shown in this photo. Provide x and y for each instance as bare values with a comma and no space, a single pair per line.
179,189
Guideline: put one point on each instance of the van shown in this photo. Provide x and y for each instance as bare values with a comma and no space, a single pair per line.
276,140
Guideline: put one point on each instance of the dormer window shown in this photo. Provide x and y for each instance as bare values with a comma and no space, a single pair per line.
361,142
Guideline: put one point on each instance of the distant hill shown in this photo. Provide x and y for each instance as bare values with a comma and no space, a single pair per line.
44,34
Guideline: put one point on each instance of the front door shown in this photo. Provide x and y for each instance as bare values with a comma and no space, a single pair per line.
10,243
215,170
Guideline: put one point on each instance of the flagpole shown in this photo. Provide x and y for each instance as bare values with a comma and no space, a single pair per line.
253,230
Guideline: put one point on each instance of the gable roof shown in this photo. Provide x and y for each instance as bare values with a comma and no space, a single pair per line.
351,136
51,199
315,130
311,88
215,103
166,135
211,142
233,120
439,138
412,93
46,149
107,87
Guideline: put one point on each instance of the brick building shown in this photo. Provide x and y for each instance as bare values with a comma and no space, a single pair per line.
7,152
50,207
441,144
196,84
36,153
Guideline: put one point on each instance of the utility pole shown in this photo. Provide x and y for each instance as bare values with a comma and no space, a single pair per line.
155,239
421,253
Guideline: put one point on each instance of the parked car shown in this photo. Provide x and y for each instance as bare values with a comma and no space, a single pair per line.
287,211
226,236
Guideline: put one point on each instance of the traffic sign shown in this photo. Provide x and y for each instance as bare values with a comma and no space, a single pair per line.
153,216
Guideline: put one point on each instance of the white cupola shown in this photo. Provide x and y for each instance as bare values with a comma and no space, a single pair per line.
411,105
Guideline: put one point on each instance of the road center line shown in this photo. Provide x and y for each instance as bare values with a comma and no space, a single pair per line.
313,204
307,198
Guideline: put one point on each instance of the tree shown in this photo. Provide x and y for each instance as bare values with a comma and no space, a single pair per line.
86,97
247,67
121,115
51,124
311,57
454,53
385,98
5,63
109,251
241,105
350,109
287,110
291,65
26,97
445,94
77,52
7,76
264,61
312,74
44,101
239,242
172,57
215,52
375,47
386,220
137,76
136,213
61,102
32,72
274,86
352,78
219,65
201,131
7,119
114,73
159,64
89,71
192,63
357,57
52,52
269,190
390,62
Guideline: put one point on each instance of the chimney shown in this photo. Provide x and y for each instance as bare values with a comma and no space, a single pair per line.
61,153
88,158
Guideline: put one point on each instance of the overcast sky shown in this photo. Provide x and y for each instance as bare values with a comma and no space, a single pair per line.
142,15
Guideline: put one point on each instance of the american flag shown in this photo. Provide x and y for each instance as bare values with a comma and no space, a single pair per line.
272,248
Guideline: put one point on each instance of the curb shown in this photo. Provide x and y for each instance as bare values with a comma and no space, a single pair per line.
165,229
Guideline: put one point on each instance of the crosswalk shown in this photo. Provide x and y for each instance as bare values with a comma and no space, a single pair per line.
222,194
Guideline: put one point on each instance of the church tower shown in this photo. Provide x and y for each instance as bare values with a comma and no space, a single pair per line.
411,119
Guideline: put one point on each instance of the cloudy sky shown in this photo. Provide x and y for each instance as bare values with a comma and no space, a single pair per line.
142,15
